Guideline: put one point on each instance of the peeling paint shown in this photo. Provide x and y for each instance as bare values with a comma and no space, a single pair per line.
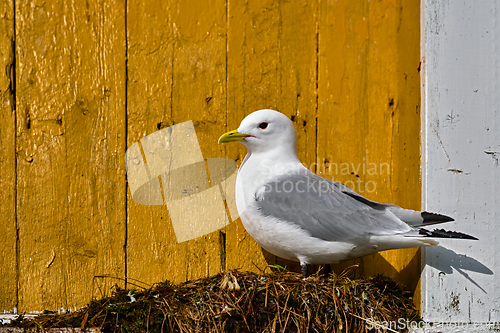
453,303
51,261
493,153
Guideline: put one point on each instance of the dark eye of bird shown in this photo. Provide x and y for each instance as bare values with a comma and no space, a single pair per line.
263,125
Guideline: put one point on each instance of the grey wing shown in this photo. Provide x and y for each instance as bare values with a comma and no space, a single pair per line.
326,209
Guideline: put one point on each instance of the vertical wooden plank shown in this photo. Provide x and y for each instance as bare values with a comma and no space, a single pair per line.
395,123
187,41
95,136
343,39
253,84
149,91
199,62
71,142
8,259
401,103
297,74
298,56
272,63
342,107
42,205
368,133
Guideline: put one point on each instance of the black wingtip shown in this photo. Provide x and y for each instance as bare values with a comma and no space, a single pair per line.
441,233
431,218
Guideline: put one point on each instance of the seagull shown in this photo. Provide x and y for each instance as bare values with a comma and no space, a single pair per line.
297,215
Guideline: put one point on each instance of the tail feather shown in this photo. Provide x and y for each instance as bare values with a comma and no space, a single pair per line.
416,218
432,218
441,233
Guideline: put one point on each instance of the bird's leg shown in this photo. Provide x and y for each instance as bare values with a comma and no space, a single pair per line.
304,270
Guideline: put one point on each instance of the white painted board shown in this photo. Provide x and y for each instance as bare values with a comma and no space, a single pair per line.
460,158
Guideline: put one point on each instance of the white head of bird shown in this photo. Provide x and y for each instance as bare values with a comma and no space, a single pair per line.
264,132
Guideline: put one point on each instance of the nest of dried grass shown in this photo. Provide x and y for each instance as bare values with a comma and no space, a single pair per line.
279,301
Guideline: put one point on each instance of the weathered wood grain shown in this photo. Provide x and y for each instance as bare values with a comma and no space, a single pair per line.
8,227
200,64
298,77
151,242
71,143
185,44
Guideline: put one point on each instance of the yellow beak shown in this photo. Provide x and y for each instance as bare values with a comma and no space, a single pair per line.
232,136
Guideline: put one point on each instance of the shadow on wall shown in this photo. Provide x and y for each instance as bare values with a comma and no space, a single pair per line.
447,261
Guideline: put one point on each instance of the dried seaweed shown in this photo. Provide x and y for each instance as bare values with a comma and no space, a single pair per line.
279,301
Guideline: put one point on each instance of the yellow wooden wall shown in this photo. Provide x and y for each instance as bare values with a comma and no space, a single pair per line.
83,80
